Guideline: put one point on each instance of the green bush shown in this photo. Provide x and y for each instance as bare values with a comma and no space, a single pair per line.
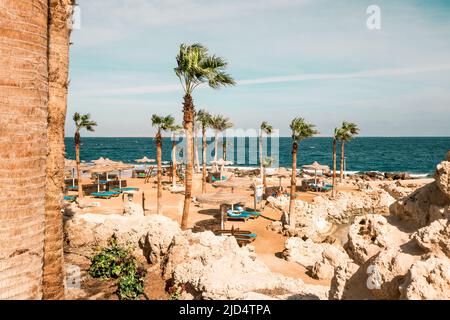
117,262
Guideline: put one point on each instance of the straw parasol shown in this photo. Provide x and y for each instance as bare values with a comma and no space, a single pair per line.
316,167
282,173
221,162
100,169
220,198
231,183
145,160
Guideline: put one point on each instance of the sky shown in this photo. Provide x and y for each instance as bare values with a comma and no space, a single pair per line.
315,59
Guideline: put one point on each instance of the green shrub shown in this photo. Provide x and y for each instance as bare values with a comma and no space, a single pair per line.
117,262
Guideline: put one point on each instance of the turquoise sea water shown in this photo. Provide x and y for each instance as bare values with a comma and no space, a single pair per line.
397,154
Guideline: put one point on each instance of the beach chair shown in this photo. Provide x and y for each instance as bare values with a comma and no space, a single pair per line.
72,188
125,189
253,214
70,198
233,215
105,194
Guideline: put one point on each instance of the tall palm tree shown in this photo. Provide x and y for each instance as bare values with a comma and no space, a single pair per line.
349,131
82,121
219,124
336,137
267,129
204,119
175,129
161,124
196,156
301,130
196,66
59,30
23,149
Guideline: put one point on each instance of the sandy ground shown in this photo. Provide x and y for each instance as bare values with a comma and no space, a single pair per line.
268,245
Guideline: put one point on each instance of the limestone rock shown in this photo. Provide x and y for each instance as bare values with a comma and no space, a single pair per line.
215,267
387,271
368,235
304,252
132,209
427,280
332,257
443,177
435,238
339,282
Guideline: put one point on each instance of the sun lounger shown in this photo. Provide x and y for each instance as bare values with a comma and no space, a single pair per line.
232,215
214,179
253,214
105,195
126,189
72,187
70,198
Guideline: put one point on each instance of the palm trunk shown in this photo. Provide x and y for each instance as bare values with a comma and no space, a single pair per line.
159,173
174,161
341,175
58,60
197,161
204,146
23,149
293,185
334,167
77,159
261,169
188,121
216,149
224,148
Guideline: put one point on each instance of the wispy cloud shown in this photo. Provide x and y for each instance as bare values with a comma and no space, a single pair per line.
391,72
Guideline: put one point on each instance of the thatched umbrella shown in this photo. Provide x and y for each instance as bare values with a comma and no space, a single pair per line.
221,198
222,163
316,167
232,183
282,173
100,169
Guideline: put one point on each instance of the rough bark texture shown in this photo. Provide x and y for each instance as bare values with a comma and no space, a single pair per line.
159,173
58,68
174,161
224,148
341,174
334,167
23,147
293,185
197,160
188,122
204,146
77,159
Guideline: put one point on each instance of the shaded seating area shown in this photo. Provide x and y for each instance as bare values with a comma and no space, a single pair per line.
88,189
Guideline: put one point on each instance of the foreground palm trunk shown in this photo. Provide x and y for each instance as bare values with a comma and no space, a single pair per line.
341,174
334,167
23,150
77,159
58,66
293,185
159,173
188,123
204,146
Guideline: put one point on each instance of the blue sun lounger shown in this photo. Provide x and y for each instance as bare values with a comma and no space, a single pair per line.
105,195
126,189
70,198
253,214
72,187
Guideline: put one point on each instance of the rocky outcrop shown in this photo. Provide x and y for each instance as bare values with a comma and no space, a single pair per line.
332,257
133,209
155,243
212,267
339,284
428,203
427,280
387,272
370,234
434,238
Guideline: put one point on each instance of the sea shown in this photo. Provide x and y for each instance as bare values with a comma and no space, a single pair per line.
417,156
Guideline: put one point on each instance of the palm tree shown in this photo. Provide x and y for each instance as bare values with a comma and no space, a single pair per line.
81,122
162,124
196,157
267,129
300,131
23,124
196,66
219,124
336,137
204,119
349,131
58,65
175,129
266,163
